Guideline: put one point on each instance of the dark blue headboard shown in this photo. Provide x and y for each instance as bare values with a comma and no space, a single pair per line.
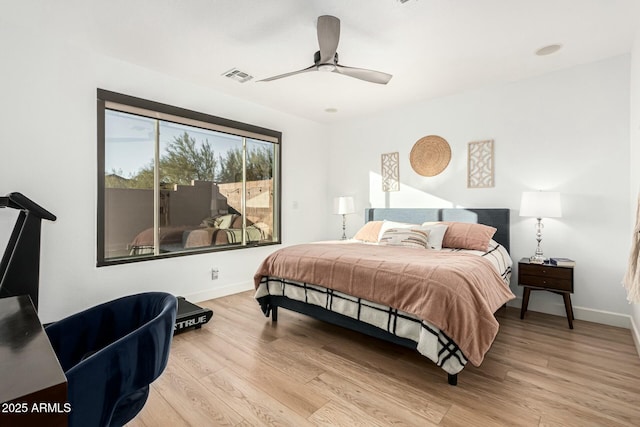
498,218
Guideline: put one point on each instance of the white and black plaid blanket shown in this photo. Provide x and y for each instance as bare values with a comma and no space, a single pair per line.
430,341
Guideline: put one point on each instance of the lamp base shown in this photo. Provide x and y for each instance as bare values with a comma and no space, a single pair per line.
537,259
344,227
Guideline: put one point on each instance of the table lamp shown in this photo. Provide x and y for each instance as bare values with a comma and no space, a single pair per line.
344,206
540,204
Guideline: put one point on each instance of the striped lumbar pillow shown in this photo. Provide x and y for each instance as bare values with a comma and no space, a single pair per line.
415,237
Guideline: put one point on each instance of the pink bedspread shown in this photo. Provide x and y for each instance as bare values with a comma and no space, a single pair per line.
456,292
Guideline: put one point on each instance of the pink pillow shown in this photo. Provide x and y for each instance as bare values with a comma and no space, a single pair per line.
369,232
463,235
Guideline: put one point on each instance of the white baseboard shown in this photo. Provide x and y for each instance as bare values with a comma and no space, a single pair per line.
580,313
219,292
635,332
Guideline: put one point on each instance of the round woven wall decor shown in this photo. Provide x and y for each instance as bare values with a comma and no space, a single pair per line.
430,155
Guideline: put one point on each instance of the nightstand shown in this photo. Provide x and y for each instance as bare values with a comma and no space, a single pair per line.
546,277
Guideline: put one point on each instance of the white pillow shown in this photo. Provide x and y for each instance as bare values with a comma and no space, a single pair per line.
436,234
392,224
414,237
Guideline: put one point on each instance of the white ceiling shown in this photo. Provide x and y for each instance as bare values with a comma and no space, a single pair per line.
432,47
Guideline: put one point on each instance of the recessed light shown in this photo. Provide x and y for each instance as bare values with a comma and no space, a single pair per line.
331,110
548,50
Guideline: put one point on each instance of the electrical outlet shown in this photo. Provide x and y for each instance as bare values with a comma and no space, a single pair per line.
214,273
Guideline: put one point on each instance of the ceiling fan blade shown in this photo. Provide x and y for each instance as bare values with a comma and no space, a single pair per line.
328,37
364,74
293,73
326,59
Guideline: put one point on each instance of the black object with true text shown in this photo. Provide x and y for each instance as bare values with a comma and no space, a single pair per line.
190,315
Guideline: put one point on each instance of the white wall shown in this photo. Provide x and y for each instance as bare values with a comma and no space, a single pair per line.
635,160
566,131
48,153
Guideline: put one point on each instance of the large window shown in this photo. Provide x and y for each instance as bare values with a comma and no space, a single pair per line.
175,182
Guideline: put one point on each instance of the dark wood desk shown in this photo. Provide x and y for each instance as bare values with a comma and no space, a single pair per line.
29,370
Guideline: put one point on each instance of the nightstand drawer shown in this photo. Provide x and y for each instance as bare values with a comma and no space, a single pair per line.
545,271
546,281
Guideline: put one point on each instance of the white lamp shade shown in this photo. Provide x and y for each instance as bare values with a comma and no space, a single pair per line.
541,204
345,205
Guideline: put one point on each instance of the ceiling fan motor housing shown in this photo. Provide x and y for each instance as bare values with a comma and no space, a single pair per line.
316,58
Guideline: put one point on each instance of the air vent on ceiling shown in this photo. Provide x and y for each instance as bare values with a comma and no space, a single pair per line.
238,75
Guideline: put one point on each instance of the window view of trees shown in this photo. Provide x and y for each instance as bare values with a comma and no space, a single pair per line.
216,190
185,161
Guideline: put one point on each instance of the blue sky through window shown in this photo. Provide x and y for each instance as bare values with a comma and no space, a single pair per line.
130,141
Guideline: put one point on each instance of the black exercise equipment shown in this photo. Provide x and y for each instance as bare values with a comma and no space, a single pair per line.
190,315
20,267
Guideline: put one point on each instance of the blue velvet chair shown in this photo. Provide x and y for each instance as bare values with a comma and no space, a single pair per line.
110,354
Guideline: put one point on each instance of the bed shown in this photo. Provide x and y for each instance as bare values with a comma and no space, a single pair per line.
388,282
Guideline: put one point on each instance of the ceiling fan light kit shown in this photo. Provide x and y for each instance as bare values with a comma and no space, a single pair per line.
326,59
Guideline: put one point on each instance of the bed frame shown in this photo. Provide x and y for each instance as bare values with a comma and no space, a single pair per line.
498,218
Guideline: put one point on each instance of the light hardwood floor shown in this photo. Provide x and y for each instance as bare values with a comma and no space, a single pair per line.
242,370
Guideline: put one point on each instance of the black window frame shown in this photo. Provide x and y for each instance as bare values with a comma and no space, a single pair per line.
106,96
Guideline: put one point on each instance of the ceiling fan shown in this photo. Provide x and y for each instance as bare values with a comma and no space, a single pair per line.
326,59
